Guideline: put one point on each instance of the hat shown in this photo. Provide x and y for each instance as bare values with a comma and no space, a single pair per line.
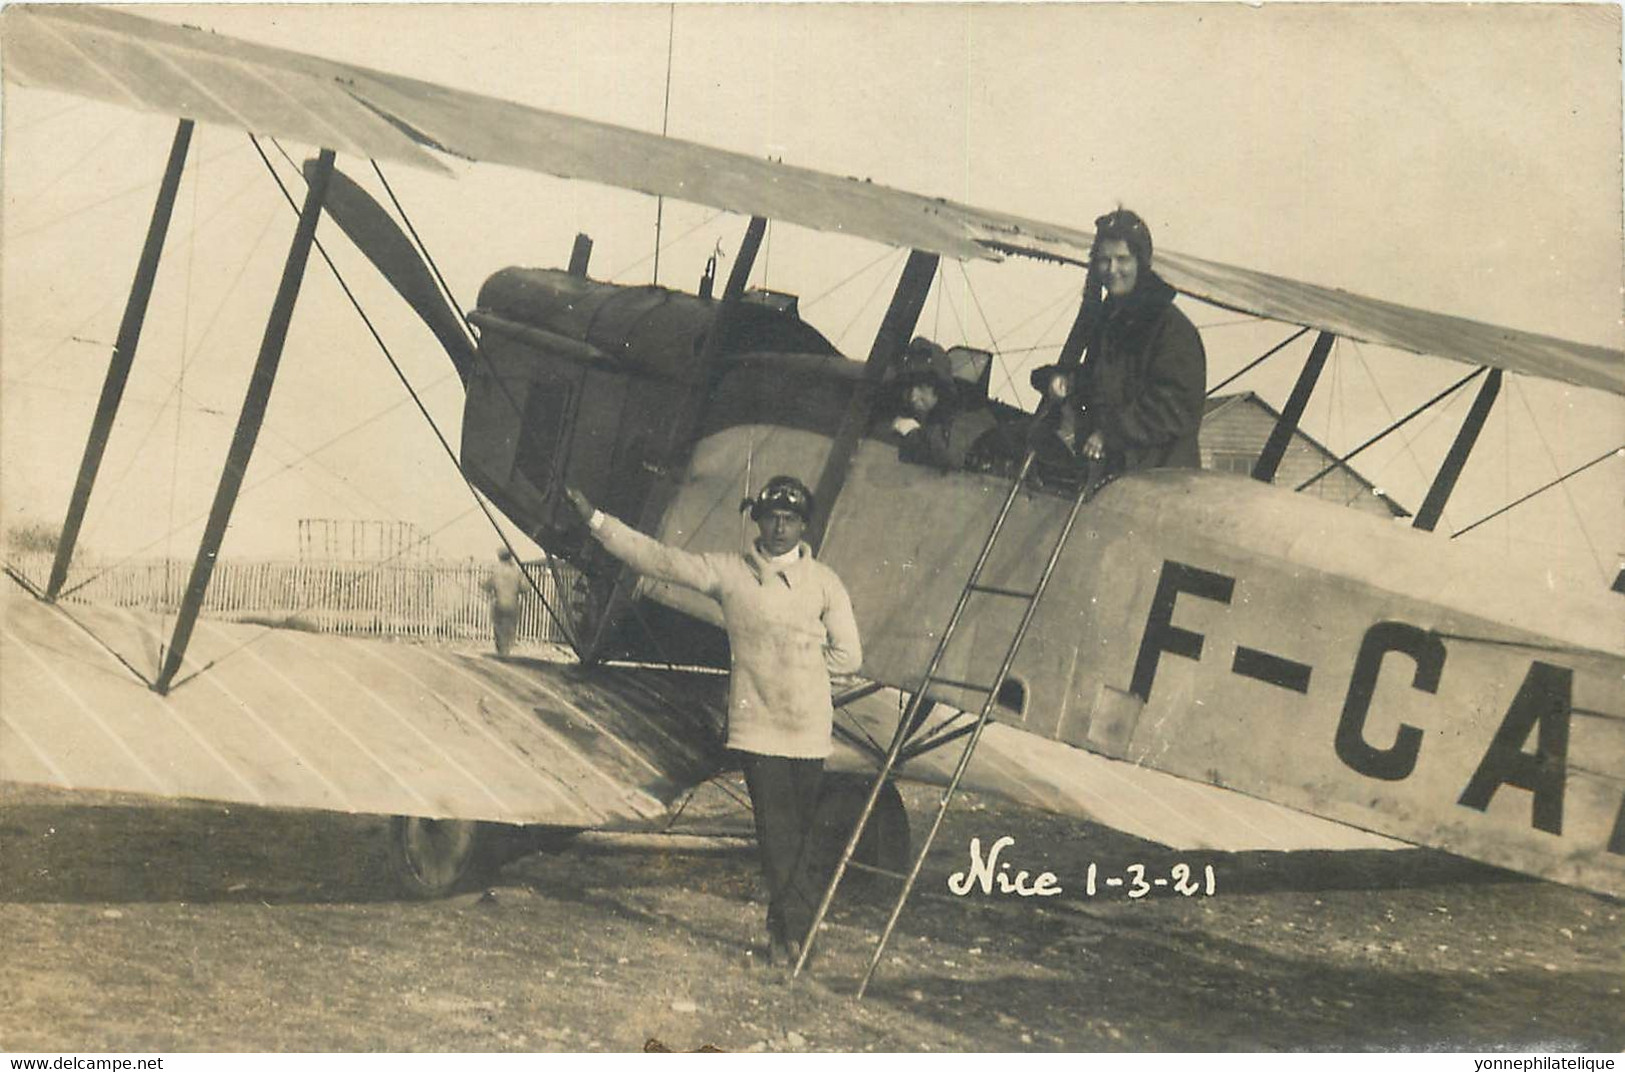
781,493
926,362
1127,227
1042,375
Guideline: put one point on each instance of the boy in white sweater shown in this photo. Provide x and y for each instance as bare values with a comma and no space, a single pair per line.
790,627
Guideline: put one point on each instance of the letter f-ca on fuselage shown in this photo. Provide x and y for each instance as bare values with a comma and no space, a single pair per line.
1199,623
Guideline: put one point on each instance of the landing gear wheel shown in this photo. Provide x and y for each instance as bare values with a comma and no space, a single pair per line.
431,858
885,840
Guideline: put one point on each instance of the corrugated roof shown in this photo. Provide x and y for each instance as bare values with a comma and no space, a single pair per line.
1216,403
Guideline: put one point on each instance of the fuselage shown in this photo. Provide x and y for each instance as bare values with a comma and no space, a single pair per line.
1204,624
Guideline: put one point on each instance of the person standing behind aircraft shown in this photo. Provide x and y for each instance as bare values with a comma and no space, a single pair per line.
790,627
502,586
1142,385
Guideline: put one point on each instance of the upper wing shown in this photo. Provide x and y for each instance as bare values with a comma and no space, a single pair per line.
153,66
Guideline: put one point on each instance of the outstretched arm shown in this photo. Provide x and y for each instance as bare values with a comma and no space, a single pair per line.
648,556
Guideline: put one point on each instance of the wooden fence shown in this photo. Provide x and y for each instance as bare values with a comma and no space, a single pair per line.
434,600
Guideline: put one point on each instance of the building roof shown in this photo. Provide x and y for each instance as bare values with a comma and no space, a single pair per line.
1218,403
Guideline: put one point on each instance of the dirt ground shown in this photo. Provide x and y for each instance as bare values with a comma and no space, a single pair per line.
136,926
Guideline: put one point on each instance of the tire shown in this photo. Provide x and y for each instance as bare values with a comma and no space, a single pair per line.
431,858
885,840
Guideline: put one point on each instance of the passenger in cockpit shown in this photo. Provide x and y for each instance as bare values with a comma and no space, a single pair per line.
935,425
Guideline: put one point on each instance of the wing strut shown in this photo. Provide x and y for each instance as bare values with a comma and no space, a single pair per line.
1392,428
890,341
580,254
683,429
118,369
249,420
1083,327
1445,482
1281,436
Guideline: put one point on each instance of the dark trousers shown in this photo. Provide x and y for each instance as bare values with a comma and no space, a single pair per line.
783,794
505,624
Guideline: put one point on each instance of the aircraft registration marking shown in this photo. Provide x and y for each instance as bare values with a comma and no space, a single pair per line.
1271,669
1541,708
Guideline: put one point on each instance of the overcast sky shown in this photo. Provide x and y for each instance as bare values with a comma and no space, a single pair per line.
1465,159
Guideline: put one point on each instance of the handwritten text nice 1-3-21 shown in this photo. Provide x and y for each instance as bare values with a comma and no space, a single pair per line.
994,876
989,872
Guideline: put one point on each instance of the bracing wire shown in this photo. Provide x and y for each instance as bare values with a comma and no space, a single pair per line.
1393,427
665,121
175,387
108,300
1615,452
145,184
513,403
1568,492
41,120
478,500
807,302
417,401
405,550
992,340
423,250
62,341
864,308
307,455
644,259
29,200
953,308
1053,304
1237,322
1259,360
1408,442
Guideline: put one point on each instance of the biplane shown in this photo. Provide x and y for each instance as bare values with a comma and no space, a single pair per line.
1210,626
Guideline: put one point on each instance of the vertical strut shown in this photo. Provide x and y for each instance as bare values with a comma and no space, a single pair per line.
1445,482
1083,326
682,431
1281,435
118,369
580,254
746,260
1392,428
250,419
890,341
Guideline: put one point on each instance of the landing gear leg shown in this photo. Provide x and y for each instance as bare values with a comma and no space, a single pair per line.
430,858
885,839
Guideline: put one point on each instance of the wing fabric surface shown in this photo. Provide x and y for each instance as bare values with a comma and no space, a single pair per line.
297,720
152,66
1047,775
